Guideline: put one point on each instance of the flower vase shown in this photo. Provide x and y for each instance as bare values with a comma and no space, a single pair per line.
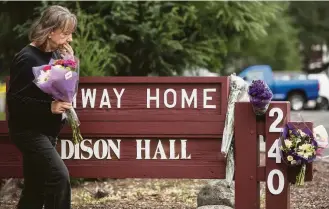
259,106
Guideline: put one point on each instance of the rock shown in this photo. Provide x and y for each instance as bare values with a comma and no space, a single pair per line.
214,207
217,193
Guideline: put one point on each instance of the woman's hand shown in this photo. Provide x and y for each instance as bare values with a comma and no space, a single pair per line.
58,107
66,49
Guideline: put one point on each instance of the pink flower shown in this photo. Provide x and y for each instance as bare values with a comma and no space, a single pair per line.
46,68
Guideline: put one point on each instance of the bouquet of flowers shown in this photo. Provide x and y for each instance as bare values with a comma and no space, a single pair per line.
237,88
238,92
260,96
298,148
60,80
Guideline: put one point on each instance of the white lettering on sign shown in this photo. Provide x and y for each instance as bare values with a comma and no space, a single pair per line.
185,99
170,98
189,100
208,98
144,150
89,98
105,100
108,149
156,98
101,149
173,95
84,148
119,95
270,182
274,151
159,150
274,126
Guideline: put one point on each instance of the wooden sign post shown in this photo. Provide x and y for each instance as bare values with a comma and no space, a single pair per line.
249,172
165,127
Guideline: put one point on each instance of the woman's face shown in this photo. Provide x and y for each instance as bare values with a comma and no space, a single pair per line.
59,37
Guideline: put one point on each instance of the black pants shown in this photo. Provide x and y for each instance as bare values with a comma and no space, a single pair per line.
46,178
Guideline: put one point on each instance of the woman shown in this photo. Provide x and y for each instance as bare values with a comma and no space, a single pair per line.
35,119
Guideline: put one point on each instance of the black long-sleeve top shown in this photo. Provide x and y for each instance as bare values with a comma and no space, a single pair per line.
29,107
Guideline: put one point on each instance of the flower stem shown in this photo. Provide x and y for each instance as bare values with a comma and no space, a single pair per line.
77,137
300,179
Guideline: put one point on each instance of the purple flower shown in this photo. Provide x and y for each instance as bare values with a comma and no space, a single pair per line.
260,94
260,90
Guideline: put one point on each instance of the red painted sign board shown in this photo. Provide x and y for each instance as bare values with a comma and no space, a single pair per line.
141,127
169,127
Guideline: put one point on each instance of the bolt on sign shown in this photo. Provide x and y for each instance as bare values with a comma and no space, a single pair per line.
167,127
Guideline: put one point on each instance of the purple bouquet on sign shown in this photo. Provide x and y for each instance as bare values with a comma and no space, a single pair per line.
60,80
260,96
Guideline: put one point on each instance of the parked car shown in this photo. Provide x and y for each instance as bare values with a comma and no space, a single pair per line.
322,103
323,100
297,92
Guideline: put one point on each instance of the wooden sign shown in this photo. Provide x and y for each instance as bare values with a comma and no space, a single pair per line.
138,127
169,127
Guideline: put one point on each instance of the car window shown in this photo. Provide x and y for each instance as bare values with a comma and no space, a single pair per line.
300,77
287,77
255,75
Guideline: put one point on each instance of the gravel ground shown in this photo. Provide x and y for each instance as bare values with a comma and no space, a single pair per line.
315,195
176,194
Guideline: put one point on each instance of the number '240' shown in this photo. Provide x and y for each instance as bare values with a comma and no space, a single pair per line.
274,152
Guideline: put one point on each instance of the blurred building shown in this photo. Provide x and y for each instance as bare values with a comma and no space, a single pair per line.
317,60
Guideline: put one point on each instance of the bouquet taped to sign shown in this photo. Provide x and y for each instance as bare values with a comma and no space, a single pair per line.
260,96
60,79
301,146
238,92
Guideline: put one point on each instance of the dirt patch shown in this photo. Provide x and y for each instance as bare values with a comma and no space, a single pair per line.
141,193
177,194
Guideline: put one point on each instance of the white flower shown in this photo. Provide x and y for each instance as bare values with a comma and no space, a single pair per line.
306,151
302,133
43,77
288,143
290,158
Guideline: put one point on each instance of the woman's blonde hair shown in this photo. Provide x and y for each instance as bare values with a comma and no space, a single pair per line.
54,17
